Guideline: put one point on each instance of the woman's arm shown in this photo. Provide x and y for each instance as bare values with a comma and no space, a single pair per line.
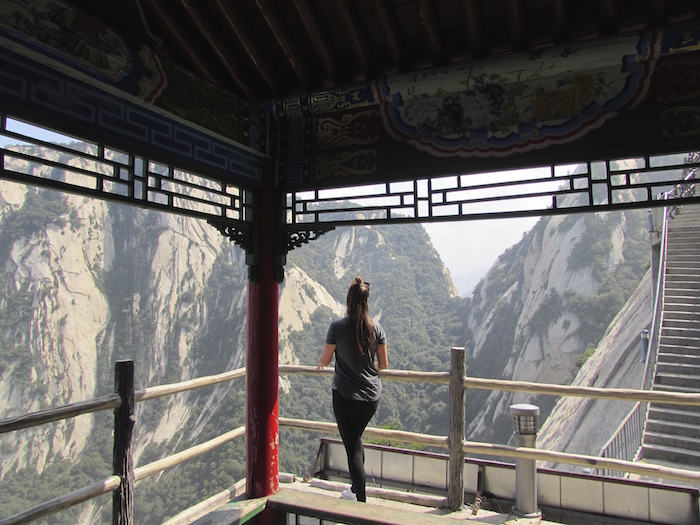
382,357
326,356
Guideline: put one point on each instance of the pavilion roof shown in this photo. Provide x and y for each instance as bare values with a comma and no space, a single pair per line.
266,49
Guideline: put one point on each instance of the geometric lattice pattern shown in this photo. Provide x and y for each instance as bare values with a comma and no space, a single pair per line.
591,186
39,157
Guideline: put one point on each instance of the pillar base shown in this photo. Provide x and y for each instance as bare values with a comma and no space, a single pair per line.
522,518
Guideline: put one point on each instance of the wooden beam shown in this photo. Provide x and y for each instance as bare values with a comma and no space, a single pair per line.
621,465
236,21
560,21
353,29
455,485
287,45
658,11
318,38
431,27
474,25
370,432
43,417
516,25
153,392
329,509
179,38
391,29
608,17
205,29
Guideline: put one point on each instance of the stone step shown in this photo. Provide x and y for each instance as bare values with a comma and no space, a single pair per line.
685,279
681,369
674,388
684,443
675,267
686,332
677,413
677,380
681,223
687,229
668,348
690,257
677,261
674,340
672,291
673,428
675,317
682,458
678,359
678,322
684,241
685,308
680,248
678,235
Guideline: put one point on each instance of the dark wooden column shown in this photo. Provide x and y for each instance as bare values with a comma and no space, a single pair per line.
262,424
122,460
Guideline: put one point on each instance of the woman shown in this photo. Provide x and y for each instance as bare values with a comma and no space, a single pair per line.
359,345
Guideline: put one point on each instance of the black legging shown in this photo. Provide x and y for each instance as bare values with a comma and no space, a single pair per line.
352,418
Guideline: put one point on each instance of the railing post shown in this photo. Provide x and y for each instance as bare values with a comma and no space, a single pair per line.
455,485
122,460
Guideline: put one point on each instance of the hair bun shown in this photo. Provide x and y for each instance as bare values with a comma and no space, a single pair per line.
358,280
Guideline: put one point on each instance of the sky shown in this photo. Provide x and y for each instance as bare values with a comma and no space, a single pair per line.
469,248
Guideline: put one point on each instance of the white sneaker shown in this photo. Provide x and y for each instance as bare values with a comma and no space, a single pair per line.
348,494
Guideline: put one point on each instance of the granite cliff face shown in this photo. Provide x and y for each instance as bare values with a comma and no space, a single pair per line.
545,302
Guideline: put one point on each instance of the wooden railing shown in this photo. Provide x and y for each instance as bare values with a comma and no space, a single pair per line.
122,482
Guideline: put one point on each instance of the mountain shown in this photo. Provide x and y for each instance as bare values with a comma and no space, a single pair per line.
545,305
467,281
85,283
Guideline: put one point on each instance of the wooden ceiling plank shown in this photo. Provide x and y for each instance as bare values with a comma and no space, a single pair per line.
391,29
352,27
177,37
289,48
431,27
560,22
320,42
658,11
608,16
516,24
474,28
235,20
209,34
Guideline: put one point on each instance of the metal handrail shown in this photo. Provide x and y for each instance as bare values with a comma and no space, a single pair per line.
626,442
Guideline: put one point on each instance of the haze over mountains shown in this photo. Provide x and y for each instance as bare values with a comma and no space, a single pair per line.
86,282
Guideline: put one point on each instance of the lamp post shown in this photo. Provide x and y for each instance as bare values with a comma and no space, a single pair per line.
644,336
525,419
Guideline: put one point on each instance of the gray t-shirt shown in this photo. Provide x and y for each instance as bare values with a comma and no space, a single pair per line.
356,377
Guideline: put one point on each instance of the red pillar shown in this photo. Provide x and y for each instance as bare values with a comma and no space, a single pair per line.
262,410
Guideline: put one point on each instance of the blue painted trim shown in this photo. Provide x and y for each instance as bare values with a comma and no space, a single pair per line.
35,91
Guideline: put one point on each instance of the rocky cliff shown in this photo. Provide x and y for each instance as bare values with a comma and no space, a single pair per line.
545,302
85,283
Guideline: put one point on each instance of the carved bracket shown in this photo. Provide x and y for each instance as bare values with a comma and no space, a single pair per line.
241,235
296,238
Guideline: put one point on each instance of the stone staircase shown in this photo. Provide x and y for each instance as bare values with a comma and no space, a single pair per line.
672,432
